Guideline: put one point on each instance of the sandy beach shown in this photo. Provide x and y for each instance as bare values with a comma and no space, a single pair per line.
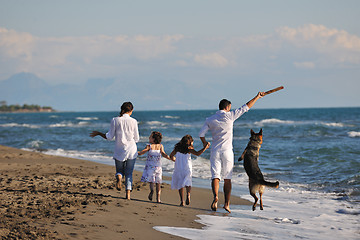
51,197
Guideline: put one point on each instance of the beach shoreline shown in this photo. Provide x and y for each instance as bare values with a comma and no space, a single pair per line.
44,196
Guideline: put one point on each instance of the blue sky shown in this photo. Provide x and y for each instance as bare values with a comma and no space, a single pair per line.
188,54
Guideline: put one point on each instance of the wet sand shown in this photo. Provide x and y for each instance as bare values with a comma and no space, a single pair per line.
50,197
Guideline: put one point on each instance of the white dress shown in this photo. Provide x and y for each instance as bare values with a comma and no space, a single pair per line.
182,171
153,170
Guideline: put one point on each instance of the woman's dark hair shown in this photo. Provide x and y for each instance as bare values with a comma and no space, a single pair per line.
126,107
223,104
157,136
184,144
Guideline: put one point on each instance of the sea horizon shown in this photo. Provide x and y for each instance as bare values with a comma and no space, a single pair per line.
159,110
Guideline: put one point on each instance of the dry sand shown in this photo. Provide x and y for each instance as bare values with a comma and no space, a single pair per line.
50,197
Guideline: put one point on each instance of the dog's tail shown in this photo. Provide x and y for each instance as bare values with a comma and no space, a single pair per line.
271,184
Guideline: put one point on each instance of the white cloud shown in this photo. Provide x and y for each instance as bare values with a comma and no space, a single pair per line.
68,58
90,56
330,46
211,60
307,47
147,47
319,37
16,45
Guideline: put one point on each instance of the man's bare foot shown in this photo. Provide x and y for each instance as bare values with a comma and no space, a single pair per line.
227,209
182,204
214,204
118,182
150,197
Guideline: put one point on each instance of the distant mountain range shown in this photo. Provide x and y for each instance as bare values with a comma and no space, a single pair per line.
27,88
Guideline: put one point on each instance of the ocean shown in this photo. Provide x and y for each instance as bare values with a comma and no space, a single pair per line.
313,153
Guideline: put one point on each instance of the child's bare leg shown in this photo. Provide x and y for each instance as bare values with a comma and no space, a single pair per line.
158,192
150,197
188,190
181,194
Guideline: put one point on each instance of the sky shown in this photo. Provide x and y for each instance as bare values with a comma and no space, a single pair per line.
187,54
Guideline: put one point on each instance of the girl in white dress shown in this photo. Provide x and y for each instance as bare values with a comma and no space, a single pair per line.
153,170
182,175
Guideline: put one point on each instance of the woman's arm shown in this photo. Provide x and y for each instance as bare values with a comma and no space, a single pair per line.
136,132
96,133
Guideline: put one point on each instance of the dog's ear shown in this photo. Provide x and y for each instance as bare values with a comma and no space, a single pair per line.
252,132
260,131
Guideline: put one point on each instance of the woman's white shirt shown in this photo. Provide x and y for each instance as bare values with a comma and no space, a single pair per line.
125,131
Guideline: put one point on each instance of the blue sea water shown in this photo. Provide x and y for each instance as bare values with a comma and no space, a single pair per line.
313,153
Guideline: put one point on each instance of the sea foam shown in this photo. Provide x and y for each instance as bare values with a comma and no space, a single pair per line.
273,121
87,118
286,215
24,125
354,134
170,117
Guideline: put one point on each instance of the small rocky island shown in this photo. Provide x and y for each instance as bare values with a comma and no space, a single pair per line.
24,108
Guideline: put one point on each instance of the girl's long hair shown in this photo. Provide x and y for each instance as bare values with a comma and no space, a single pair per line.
126,107
184,144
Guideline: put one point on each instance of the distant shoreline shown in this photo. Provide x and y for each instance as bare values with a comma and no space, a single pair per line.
24,108
29,111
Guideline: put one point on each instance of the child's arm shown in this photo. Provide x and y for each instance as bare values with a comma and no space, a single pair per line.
163,153
198,153
172,156
147,148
